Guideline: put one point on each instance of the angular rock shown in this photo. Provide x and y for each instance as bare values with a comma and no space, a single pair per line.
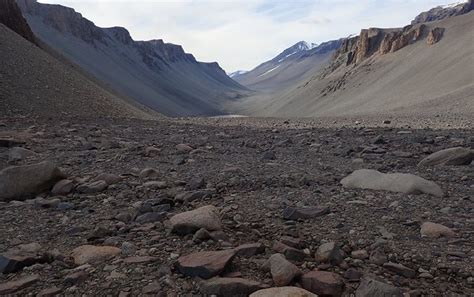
295,213
92,187
435,35
23,182
452,156
225,286
434,230
206,217
205,264
394,182
76,278
400,269
88,254
329,253
283,292
370,287
62,187
17,285
323,283
283,272
250,249
289,252
16,259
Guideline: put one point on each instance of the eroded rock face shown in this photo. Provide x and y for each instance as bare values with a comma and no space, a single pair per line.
443,12
394,182
435,35
11,16
23,182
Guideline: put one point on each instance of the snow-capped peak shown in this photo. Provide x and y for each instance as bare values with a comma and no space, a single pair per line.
453,4
237,73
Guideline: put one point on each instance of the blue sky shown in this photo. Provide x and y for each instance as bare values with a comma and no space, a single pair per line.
240,34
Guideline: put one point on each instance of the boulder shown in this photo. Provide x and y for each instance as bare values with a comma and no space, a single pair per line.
433,230
283,272
370,287
452,156
394,182
283,292
205,264
206,217
435,35
23,182
87,254
323,283
229,286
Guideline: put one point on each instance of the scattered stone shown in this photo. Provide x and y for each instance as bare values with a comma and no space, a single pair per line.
23,182
434,230
400,269
289,252
394,182
93,254
153,288
323,283
370,287
148,173
283,292
224,286
453,156
205,264
360,254
206,217
140,260
62,187
183,148
152,151
92,187
109,178
329,253
353,275
17,285
250,249
190,196
76,278
292,213
283,272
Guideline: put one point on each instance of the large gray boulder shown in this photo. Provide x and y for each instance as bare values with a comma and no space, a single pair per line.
393,182
23,182
452,156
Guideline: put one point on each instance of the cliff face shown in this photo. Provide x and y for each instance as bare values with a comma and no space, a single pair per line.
442,12
11,16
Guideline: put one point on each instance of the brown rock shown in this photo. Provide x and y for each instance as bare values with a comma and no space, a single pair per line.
250,249
329,253
283,272
140,259
434,230
62,187
205,264
283,292
323,283
93,254
223,286
289,252
17,285
435,35
206,217
23,182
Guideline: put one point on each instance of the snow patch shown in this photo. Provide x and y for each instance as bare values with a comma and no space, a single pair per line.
274,68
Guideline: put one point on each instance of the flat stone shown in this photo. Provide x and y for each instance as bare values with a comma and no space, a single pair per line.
225,286
400,269
370,287
283,272
394,182
296,213
323,283
329,253
250,249
289,252
93,254
62,187
16,259
17,285
205,264
452,156
24,182
434,230
206,217
140,260
283,292
92,187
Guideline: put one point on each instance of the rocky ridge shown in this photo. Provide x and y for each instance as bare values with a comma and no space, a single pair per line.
11,16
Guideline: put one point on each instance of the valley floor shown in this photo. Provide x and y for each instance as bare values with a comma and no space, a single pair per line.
251,170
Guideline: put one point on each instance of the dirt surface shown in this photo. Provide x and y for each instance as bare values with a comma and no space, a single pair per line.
250,174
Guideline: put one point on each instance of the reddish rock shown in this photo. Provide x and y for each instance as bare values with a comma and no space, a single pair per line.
205,264
283,292
250,249
93,254
433,230
283,272
435,35
17,285
289,252
223,286
140,259
323,283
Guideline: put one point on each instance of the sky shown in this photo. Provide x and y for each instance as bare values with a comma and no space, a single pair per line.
241,34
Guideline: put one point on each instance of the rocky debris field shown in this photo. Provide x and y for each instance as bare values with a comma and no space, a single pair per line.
170,208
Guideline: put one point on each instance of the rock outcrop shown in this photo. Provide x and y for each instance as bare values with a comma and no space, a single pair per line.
443,12
435,36
11,16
